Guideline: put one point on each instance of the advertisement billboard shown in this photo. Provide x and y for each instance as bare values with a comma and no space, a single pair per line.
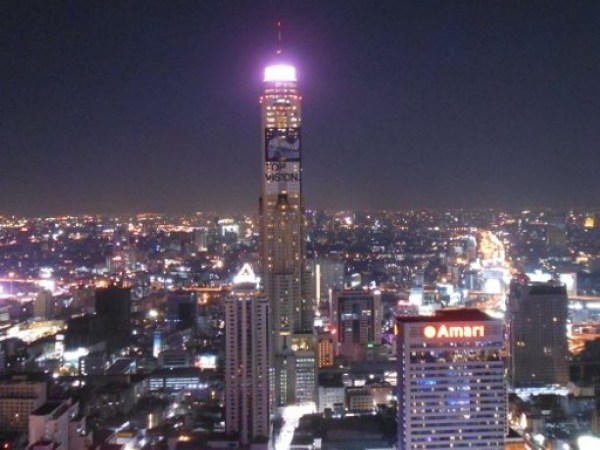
282,144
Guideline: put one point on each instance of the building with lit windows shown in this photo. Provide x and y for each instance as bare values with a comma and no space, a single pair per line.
538,347
19,396
326,348
247,357
451,391
357,318
286,279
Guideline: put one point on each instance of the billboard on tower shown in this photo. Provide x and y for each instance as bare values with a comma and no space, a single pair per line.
282,144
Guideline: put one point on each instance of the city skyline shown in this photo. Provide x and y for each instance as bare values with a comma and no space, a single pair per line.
123,109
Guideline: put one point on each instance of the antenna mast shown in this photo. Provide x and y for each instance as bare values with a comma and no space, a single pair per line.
279,40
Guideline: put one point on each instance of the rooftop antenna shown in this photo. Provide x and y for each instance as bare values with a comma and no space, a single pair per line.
279,41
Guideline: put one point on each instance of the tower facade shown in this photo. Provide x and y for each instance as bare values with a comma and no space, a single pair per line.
281,233
451,390
247,357
538,347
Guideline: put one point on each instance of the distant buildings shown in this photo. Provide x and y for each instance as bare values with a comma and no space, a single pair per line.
451,390
537,319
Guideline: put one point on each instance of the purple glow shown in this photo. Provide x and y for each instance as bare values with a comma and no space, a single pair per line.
280,72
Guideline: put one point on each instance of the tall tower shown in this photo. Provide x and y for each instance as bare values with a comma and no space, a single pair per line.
247,335
281,237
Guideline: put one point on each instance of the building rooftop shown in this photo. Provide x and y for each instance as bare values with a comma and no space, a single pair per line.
448,315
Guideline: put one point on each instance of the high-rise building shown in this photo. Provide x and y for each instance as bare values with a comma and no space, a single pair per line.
451,390
538,348
247,357
357,318
282,251
113,307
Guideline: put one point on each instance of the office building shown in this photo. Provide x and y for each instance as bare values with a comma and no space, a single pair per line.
285,278
451,391
247,357
538,348
358,322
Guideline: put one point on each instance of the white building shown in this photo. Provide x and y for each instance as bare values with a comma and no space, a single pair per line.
451,389
330,395
58,423
247,334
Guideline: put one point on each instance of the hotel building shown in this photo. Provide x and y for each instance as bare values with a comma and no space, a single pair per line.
451,391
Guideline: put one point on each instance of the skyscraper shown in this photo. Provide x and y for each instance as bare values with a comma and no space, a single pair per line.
538,348
247,335
451,390
286,281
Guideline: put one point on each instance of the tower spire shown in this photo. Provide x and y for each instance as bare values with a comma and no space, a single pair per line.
279,40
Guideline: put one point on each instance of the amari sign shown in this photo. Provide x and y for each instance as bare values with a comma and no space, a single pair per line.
453,331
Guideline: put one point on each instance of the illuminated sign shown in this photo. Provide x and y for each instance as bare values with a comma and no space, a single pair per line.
277,171
282,144
453,331
246,275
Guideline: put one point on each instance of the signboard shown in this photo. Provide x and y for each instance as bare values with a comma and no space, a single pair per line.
282,144
453,331
278,171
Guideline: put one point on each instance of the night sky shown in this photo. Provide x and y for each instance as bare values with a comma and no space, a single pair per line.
131,106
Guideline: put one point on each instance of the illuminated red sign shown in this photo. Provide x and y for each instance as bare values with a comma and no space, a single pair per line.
453,331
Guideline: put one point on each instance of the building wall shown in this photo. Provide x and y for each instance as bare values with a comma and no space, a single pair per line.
358,322
18,398
329,396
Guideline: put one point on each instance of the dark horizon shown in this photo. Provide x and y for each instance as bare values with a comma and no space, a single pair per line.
131,107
